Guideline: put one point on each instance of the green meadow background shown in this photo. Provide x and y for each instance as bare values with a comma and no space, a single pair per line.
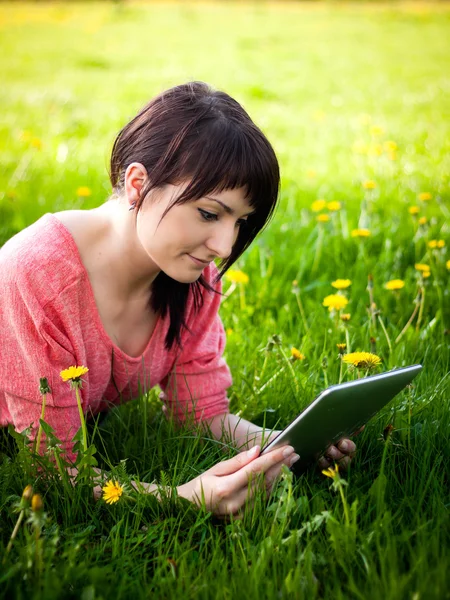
355,99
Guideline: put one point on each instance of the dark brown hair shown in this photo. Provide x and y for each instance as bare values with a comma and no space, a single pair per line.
194,133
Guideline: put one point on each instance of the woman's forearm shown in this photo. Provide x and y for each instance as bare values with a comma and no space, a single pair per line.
240,433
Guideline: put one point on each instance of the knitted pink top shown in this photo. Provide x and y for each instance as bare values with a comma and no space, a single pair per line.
49,321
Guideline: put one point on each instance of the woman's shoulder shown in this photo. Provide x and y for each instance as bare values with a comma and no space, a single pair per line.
41,256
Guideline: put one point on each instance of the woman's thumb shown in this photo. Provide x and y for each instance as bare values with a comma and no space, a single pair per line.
227,467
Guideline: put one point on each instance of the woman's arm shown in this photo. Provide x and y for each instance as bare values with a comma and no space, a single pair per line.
244,434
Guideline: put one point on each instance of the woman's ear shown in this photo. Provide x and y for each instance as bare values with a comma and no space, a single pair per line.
135,178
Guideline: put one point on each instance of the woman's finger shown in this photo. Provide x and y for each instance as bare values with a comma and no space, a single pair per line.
230,466
262,464
346,446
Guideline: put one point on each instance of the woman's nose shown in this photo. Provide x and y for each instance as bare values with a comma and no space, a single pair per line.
222,242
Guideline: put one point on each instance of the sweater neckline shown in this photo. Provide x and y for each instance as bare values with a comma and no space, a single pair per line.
91,298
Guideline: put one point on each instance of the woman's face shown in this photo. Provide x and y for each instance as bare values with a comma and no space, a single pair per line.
193,234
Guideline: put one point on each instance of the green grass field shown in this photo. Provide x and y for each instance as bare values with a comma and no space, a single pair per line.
355,99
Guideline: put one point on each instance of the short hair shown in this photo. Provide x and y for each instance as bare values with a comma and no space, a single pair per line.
194,133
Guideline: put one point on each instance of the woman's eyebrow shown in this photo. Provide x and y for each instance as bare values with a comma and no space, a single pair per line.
227,208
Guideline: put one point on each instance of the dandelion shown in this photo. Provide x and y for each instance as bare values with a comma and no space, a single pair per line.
335,302
369,184
36,143
422,267
413,210
345,317
37,503
390,146
44,389
84,191
342,348
311,173
447,264
24,503
323,218
341,284
375,150
112,492
436,244
229,331
362,233
423,221
318,205
426,274
394,284
73,376
330,472
334,206
362,360
236,276
424,196
297,355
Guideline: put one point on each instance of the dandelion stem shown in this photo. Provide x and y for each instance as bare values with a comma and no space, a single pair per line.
410,320
386,335
302,312
347,339
289,365
13,535
422,303
344,504
39,435
242,296
83,422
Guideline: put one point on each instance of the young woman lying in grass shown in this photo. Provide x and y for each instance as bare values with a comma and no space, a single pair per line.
130,289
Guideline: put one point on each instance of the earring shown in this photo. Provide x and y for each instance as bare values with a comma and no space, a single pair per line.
133,206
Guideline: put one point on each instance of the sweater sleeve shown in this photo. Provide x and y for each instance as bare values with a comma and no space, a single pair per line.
34,345
200,375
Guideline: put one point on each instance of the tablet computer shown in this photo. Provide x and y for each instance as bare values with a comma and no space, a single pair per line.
339,411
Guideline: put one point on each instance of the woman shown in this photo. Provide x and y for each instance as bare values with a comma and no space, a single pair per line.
130,288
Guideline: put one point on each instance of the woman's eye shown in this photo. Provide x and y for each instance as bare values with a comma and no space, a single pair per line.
208,216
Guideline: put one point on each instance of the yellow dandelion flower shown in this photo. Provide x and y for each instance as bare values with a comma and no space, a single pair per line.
318,205
426,274
447,264
311,173
413,210
112,492
323,218
422,267
424,196
229,331
375,150
390,146
395,284
297,355
236,276
84,191
360,233
37,503
36,143
330,472
436,244
376,130
423,221
342,348
335,302
341,284
362,360
334,206
73,373
392,156
345,317
369,184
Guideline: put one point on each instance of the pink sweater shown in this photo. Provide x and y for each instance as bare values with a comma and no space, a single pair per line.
49,321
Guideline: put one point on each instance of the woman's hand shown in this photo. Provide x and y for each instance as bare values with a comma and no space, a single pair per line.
342,452
233,483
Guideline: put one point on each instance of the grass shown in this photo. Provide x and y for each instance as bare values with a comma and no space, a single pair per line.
330,84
